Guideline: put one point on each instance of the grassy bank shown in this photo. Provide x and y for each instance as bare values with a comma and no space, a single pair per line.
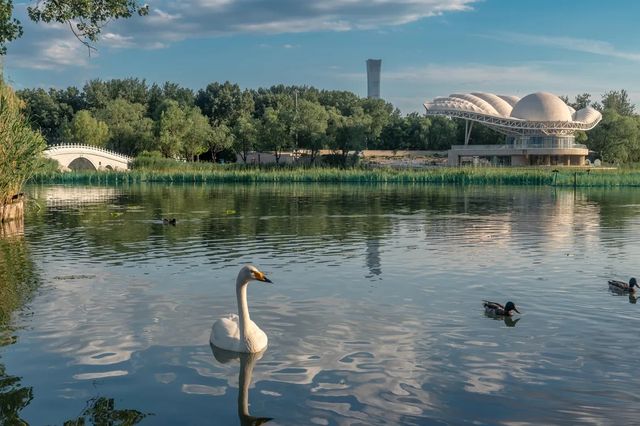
441,175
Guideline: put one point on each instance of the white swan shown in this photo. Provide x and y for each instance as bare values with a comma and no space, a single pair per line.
238,333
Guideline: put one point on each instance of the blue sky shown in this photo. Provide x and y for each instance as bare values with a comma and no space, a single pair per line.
428,47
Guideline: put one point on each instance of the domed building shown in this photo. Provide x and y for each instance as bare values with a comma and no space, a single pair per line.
539,128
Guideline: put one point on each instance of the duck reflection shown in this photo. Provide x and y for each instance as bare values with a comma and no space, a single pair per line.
247,362
508,321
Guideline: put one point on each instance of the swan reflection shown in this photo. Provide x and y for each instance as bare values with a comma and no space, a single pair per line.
247,362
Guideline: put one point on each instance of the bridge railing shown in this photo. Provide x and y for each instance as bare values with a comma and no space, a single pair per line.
89,147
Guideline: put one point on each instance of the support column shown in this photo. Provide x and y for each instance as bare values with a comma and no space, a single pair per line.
467,131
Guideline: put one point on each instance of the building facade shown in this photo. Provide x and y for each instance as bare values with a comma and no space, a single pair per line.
373,78
540,128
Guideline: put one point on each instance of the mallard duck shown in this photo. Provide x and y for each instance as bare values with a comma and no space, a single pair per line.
494,308
622,287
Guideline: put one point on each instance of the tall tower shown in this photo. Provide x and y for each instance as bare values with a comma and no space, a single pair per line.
373,78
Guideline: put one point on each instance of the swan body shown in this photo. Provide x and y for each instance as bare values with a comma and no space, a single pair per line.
496,309
622,287
238,333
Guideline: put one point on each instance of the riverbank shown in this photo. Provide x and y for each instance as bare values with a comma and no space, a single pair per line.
563,177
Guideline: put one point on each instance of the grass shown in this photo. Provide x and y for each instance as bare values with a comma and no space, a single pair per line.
209,173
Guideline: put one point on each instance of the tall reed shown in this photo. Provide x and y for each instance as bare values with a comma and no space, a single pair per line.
440,175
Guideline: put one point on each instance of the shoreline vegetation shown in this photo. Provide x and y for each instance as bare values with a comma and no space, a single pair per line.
168,171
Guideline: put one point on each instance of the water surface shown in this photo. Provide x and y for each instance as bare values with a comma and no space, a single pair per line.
375,316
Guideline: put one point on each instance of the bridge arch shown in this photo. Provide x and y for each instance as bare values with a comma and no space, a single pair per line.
81,163
85,157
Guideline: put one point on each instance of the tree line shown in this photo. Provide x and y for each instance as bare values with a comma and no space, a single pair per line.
222,120
132,117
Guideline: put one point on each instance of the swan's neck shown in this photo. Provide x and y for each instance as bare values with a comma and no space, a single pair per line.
243,308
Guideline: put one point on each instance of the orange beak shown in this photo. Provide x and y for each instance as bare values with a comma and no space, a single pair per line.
262,277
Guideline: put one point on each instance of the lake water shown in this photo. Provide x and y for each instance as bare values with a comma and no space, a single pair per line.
374,316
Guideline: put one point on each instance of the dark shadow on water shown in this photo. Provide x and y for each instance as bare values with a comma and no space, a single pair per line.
18,283
508,320
102,411
247,362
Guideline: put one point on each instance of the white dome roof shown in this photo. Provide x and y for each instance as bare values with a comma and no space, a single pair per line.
541,106
587,115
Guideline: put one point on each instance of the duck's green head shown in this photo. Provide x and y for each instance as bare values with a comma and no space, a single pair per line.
633,283
510,306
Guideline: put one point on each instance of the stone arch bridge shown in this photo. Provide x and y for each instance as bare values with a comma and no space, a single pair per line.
85,157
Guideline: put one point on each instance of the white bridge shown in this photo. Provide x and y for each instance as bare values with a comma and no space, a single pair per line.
85,157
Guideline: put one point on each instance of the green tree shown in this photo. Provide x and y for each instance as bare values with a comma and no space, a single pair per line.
618,101
10,28
348,133
84,129
45,112
275,132
310,127
245,134
442,133
222,138
130,132
224,103
198,135
617,138
171,128
418,129
86,18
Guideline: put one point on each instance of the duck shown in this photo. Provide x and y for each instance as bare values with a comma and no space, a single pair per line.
171,221
237,333
622,287
496,309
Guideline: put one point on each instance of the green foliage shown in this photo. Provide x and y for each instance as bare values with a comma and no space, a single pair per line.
198,136
617,101
617,138
20,146
85,17
171,129
84,129
245,133
46,112
10,28
130,131
310,127
224,103
222,139
275,130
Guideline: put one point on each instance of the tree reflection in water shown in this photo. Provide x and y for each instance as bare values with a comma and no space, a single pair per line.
18,281
102,411
247,362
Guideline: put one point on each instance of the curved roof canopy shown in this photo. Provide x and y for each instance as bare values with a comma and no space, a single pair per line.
537,113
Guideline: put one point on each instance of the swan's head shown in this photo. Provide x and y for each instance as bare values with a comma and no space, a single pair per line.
251,273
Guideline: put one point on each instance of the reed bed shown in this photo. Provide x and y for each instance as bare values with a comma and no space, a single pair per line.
439,175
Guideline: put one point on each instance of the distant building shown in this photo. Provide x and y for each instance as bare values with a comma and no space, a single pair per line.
539,128
373,78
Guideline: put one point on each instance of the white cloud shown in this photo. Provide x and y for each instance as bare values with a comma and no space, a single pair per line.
170,21
596,47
